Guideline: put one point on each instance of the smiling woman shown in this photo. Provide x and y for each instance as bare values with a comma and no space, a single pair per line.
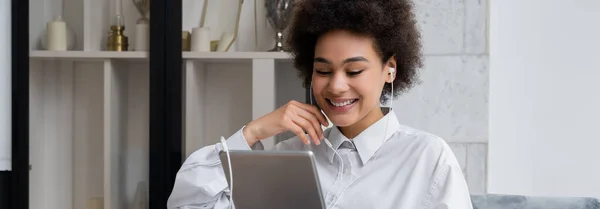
354,55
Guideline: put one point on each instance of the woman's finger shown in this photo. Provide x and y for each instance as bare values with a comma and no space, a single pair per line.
315,111
313,121
287,121
297,130
308,127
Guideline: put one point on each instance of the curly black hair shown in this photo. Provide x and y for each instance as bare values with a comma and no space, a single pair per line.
390,23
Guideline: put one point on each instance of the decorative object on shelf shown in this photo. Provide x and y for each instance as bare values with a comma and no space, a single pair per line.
214,45
223,11
58,36
185,41
54,33
225,42
201,39
142,25
95,203
279,14
117,41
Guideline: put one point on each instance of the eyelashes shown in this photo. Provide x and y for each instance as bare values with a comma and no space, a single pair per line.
320,72
354,73
350,73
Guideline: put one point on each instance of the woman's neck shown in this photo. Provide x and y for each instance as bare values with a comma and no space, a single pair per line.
355,129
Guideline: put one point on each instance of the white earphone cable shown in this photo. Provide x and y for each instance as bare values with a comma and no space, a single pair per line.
224,143
392,70
339,176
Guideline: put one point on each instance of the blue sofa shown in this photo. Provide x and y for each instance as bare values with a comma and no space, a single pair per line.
499,201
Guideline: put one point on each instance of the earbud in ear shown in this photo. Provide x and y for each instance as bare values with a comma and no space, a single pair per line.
392,70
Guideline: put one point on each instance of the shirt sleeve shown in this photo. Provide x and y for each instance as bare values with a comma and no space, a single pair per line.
449,188
201,182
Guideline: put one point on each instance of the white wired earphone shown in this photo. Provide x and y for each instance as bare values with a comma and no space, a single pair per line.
391,71
340,170
226,149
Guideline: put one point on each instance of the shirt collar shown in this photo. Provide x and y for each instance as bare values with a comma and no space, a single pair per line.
368,141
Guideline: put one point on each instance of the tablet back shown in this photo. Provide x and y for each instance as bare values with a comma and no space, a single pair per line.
273,179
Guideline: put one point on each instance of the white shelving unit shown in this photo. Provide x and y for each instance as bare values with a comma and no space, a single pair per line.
224,91
89,108
89,111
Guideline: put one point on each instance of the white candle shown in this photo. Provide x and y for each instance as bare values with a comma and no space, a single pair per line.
56,35
141,37
201,39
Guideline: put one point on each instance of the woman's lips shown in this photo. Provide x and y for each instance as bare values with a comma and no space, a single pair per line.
341,105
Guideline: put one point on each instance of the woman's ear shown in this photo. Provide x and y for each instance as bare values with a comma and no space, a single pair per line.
391,69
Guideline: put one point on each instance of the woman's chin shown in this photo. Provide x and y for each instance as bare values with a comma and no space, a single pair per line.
342,115
342,120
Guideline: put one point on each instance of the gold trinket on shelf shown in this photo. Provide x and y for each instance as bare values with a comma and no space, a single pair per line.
214,45
186,41
117,41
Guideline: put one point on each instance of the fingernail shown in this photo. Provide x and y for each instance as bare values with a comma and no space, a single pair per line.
318,142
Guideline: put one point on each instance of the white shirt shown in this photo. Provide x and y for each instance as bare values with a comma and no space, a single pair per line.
400,167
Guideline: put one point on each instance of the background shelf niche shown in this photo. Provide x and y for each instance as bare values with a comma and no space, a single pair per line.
89,132
89,20
222,97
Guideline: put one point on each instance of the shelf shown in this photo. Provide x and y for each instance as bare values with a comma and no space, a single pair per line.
87,55
234,57
225,57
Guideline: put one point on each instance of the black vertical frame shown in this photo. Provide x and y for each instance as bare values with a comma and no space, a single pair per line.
5,189
19,191
166,132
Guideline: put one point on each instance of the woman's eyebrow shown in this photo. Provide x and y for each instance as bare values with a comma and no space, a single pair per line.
322,60
351,59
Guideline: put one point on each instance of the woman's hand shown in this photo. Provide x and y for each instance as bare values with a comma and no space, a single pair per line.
294,116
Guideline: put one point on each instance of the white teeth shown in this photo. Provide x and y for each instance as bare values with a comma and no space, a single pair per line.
347,102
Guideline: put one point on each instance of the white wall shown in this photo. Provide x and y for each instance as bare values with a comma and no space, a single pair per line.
452,99
545,98
5,87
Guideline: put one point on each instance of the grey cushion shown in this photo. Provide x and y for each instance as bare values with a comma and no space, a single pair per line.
499,201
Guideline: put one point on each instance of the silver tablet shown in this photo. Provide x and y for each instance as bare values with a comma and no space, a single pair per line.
273,179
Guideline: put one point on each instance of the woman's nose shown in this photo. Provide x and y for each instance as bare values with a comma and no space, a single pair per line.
338,84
